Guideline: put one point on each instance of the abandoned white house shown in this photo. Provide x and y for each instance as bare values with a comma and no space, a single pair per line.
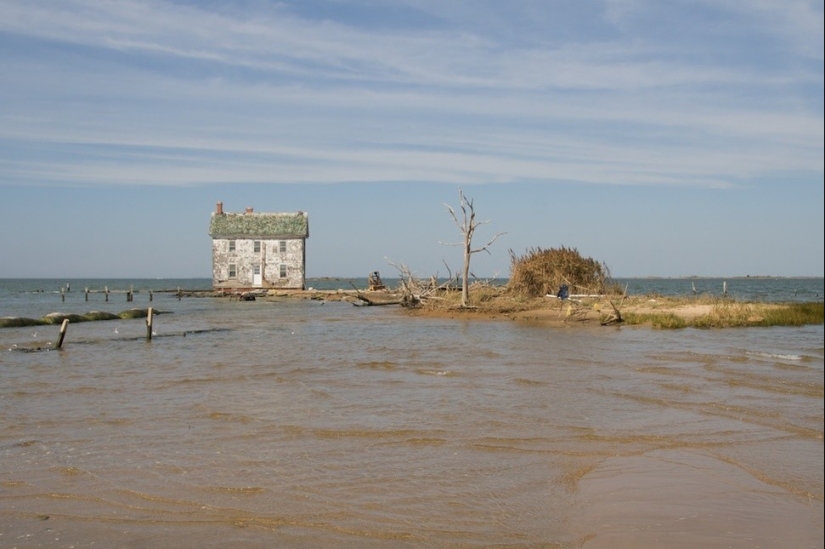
258,250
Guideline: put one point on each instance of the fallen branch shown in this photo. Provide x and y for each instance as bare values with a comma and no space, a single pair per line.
616,317
372,302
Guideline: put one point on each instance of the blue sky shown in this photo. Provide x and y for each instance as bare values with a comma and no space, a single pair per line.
664,138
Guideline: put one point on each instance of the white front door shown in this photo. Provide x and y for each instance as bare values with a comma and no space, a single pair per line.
256,276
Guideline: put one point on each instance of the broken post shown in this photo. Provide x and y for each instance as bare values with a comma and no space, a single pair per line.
62,332
149,324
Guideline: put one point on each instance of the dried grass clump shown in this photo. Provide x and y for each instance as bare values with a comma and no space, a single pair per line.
670,321
540,272
732,314
796,314
729,315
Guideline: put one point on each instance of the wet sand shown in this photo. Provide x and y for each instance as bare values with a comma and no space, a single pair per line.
628,503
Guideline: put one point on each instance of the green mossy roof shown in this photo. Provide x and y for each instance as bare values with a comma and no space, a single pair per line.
260,225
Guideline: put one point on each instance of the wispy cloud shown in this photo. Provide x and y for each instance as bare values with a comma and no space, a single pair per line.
469,92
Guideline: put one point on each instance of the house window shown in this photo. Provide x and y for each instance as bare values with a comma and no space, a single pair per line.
282,246
231,245
232,272
283,270
257,246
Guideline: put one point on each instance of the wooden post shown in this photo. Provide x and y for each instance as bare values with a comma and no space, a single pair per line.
62,295
725,288
150,295
179,293
62,332
87,294
149,324
106,290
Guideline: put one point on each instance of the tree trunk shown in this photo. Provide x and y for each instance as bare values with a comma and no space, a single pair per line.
465,275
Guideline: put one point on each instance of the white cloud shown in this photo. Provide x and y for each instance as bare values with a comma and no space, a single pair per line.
279,97
799,24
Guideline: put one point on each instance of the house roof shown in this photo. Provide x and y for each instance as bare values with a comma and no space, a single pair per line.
259,225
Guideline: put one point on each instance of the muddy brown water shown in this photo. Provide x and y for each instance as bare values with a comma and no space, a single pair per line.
297,424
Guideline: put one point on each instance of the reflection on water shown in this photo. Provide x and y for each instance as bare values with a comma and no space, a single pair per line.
296,424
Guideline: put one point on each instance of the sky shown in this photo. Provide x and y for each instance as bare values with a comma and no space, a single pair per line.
659,137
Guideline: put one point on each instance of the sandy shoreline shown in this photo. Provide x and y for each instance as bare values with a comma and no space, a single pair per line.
549,311
497,304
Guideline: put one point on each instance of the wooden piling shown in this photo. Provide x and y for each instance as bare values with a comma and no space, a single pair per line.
150,295
87,294
725,288
63,328
149,324
62,295
179,294
106,290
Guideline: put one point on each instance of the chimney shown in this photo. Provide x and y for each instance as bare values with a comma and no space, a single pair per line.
219,208
249,210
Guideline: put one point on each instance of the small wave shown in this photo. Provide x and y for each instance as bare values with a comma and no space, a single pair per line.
436,372
226,416
247,490
378,365
529,382
775,356
70,471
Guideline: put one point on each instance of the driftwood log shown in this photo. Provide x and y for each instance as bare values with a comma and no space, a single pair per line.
364,300
616,316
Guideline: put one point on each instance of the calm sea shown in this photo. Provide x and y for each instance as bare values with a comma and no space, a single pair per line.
295,423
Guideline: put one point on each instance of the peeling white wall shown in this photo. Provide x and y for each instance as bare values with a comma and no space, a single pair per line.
270,258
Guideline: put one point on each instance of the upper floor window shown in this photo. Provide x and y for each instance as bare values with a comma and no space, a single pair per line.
256,246
282,246
283,271
231,245
232,271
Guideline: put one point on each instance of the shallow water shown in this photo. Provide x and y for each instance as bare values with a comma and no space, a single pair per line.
302,424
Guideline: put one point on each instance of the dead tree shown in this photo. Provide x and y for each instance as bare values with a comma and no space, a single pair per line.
468,225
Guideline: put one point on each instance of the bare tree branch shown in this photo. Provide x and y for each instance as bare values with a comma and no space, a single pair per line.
468,225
